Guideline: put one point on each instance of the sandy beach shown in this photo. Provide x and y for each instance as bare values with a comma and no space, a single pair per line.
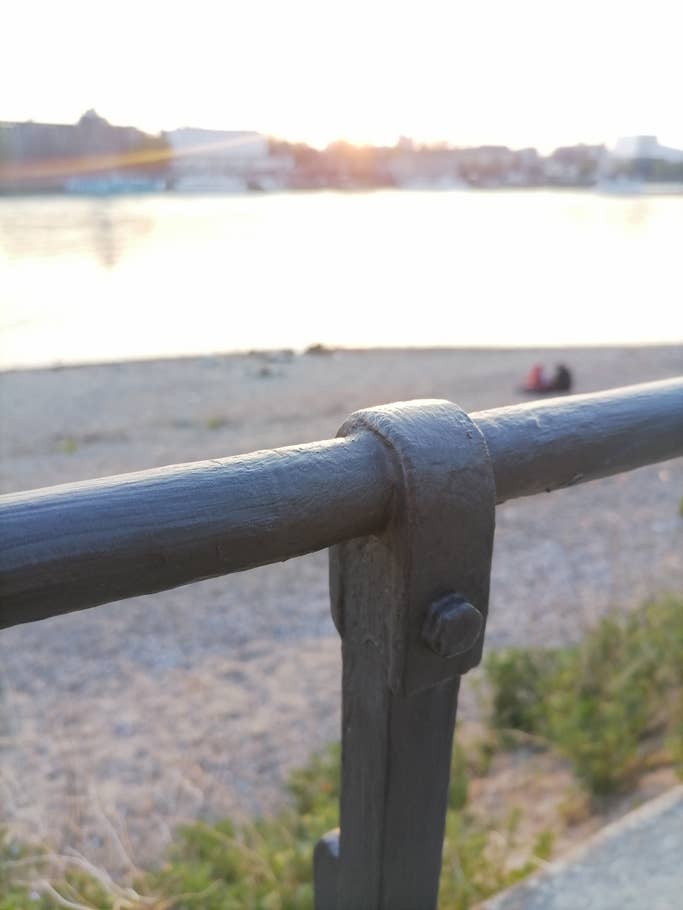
120,722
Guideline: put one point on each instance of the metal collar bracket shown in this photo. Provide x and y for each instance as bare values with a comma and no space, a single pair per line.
418,592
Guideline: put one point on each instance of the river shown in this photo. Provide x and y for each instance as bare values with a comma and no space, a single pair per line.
85,279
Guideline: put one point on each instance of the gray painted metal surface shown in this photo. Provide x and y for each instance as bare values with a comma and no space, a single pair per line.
545,445
78,545
407,495
75,546
399,697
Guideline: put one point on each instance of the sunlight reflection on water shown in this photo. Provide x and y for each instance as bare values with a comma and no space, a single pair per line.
109,279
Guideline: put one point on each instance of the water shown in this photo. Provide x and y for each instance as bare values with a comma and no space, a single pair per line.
86,280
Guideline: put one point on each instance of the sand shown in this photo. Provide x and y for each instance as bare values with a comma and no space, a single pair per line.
119,722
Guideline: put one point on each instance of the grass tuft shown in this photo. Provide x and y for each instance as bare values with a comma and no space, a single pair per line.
611,704
603,702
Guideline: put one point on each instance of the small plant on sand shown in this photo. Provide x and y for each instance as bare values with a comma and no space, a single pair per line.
34,878
216,422
68,445
609,703
604,702
266,865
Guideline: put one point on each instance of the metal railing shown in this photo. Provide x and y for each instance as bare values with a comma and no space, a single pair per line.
405,497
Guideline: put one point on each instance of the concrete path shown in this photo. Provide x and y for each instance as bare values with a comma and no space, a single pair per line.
635,863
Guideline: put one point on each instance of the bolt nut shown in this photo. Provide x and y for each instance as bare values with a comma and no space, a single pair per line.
452,626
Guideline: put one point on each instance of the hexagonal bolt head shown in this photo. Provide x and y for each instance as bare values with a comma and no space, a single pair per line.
452,626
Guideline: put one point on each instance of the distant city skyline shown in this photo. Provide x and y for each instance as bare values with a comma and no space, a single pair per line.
531,73
207,138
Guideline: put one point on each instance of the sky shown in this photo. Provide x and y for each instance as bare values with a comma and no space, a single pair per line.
513,72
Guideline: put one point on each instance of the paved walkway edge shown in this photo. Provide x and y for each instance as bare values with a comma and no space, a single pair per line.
634,862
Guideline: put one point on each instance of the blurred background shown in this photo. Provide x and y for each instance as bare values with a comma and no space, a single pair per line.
278,175
224,227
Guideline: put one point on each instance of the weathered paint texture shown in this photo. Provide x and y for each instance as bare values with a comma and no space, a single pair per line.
408,494
545,445
399,697
83,544
78,545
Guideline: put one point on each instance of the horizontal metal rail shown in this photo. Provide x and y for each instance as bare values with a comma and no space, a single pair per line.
79,545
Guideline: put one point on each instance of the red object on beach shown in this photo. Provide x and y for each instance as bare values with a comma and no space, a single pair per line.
535,381
538,383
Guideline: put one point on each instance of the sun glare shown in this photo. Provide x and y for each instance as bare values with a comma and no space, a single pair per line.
494,72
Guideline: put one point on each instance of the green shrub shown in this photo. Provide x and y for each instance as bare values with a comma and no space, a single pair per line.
477,858
598,702
266,865
458,784
518,677
17,863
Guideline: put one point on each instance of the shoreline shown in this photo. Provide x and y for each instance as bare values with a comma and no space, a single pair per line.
647,189
275,354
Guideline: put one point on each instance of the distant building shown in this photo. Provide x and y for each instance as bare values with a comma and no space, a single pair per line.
574,165
645,147
412,166
223,159
641,159
493,165
215,151
213,155
49,156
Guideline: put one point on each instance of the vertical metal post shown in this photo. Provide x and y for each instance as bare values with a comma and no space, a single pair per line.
410,605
